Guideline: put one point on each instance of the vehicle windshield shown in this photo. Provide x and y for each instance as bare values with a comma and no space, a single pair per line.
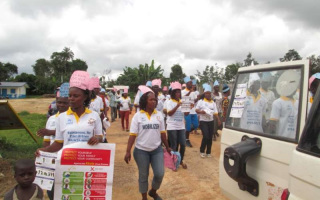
266,103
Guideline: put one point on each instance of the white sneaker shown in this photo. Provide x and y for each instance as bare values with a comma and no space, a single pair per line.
209,156
202,155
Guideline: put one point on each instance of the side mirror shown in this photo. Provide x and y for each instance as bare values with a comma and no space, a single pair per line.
235,161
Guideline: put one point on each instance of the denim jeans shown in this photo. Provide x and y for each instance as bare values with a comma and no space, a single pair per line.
176,138
143,160
207,133
113,113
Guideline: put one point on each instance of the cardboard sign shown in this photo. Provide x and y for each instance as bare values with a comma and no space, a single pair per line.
45,167
186,102
85,172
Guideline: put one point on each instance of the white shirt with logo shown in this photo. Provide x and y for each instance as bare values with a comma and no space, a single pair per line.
269,96
175,121
209,106
125,102
71,129
148,130
254,108
285,111
96,104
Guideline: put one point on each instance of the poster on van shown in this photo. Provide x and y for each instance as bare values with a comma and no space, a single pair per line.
85,172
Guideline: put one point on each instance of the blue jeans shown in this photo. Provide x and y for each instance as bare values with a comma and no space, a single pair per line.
191,119
143,160
176,138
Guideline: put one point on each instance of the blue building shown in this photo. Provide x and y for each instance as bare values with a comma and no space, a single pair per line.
13,90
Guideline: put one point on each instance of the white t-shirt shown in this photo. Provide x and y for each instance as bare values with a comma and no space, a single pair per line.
125,103
51,125
96,104
193,97
71,129
269,96
254,108
285,111
175,121
209,107
148,130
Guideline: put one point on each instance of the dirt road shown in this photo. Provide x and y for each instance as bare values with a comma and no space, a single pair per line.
199,182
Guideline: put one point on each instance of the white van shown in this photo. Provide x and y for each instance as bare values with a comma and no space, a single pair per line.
268,149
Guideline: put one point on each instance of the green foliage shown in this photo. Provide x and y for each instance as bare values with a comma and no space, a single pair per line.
314,64
136,76
210,74
290,56
231,71
177,73
249,60
7,70
30,79
18,143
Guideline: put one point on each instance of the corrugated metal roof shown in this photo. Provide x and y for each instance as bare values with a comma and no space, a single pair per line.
13,84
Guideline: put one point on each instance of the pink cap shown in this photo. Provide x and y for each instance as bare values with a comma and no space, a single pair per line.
156,82
165,88
58,94
311,79
80,79
94,83
114,89
125,90
184,85
175,85
144,89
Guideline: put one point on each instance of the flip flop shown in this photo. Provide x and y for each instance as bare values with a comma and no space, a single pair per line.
155,196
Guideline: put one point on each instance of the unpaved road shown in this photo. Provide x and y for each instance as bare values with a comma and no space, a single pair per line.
199,182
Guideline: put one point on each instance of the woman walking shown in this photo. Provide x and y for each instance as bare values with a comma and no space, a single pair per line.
208,112
125,109
147,128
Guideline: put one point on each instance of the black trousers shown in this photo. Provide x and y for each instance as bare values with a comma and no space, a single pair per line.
207,134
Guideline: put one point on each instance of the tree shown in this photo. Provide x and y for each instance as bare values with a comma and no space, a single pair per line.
231,71
60,62
45,79
248,61
7,70
314,64
177,73
290,56
30,79
211,74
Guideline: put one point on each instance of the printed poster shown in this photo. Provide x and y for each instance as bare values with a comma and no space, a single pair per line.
45,167
186,102
85,172
239,101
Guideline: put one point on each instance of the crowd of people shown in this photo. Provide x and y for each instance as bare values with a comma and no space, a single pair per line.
164,118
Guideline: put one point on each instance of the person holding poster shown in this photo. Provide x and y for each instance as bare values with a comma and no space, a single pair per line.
191,119
175,122
78,123
208,112
147,129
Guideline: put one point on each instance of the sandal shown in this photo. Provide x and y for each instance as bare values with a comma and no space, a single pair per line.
184,166
155,196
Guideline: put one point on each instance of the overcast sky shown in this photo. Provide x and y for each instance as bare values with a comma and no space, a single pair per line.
112,34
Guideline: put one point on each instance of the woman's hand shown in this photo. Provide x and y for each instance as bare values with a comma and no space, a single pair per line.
127,157
37,153
169,150
94,140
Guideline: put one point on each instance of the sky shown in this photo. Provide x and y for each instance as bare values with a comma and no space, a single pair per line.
112,34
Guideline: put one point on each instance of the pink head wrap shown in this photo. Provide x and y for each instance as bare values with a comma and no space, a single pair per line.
165,88
144,89
184,85
175,85
80,79
125,90
156,82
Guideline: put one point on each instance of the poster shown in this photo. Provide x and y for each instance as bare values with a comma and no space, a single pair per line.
239,101
45,167
186,103
85,172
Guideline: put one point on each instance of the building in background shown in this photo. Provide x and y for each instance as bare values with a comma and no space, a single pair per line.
13,90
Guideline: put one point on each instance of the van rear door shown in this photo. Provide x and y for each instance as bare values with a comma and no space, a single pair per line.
266,115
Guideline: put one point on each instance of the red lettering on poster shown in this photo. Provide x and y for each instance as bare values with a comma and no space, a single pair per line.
93,157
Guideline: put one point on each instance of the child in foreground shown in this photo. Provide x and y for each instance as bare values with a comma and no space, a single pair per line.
25,173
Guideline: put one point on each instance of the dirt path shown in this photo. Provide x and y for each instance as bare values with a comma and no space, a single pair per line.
199,182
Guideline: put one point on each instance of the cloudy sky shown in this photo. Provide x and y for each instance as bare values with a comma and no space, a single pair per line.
112,34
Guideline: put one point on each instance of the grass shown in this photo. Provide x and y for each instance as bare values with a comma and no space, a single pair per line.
17,144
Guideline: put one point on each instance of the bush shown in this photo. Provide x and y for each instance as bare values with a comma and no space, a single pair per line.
4,144
24,113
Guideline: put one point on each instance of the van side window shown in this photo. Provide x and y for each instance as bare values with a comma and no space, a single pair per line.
266,103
